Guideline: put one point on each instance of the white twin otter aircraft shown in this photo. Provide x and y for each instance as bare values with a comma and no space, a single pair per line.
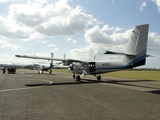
133,56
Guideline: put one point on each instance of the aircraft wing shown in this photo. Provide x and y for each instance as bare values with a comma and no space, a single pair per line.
69,61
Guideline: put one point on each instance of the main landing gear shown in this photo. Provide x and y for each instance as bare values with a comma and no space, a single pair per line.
78,78
98,78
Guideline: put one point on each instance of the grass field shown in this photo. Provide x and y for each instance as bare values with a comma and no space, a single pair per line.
143,75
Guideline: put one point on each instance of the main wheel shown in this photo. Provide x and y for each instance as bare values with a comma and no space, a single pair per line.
99,78
78,78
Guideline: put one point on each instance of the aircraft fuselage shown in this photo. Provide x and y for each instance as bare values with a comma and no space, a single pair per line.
94,67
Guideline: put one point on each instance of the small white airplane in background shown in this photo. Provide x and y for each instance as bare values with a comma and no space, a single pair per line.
133,56
42,68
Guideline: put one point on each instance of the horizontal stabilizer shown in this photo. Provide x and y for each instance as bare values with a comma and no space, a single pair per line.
149,55
117,53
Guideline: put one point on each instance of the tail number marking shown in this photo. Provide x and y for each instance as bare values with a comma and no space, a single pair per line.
106,64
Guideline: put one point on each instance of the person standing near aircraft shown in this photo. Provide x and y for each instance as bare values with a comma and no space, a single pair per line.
8,69
4,70
11,70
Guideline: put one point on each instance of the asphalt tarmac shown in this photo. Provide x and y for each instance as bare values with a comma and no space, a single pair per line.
27,95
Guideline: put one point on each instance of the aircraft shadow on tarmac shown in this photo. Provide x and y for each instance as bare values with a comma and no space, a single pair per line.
84,81
154,92
126,82
107,81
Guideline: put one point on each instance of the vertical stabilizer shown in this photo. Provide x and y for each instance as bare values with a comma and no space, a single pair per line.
137,46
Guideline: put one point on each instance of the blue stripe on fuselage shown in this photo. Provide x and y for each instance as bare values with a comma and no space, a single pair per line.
135,61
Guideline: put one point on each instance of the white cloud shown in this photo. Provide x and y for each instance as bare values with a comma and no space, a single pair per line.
28,14
12,30
118,29
4,0
106,28
51,45
35,35
44,41
51,19
97,35
73,40
91,51
153,41
142,6
41,1
55,49
5,44
69,39
157,2
37,20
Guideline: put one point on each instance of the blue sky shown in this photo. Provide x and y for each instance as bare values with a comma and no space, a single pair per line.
81,29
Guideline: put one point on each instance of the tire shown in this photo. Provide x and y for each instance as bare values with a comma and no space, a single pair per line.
99,78
78,78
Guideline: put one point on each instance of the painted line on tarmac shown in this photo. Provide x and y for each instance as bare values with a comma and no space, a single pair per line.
25,88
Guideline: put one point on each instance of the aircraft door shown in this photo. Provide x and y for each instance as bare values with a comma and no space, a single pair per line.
92,67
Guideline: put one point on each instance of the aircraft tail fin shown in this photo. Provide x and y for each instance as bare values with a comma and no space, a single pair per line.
135,52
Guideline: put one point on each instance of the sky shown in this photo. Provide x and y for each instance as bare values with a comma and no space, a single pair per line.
80,29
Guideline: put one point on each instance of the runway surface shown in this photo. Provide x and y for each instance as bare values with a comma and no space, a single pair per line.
31,96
